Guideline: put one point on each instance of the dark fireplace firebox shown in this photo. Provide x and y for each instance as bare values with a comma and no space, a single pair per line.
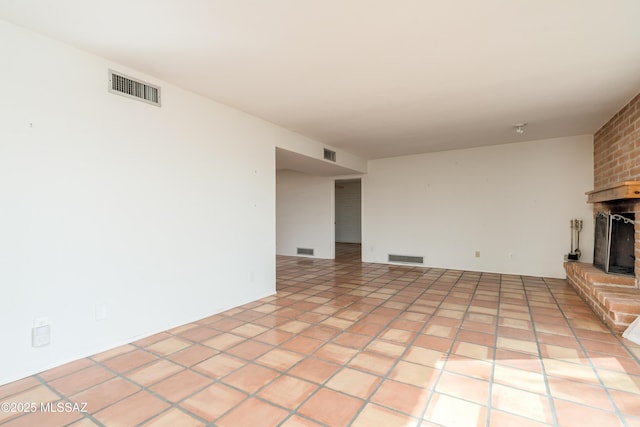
614,243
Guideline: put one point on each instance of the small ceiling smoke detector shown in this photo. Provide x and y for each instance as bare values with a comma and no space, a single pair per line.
520,128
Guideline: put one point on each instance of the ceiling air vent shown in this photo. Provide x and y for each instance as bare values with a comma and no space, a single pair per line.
406,258
329,155
131,88
305,251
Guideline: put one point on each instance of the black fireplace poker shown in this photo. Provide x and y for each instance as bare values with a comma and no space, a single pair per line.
576,228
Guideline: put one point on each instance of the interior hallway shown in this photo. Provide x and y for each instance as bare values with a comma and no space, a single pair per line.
347,343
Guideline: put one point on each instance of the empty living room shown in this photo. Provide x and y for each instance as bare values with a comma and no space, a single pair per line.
323,213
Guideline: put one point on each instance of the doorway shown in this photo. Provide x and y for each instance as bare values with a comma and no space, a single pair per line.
348,219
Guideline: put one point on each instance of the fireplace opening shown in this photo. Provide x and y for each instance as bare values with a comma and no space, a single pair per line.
614,243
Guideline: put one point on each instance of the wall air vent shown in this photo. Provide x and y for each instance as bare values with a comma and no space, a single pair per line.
304,251
406,258
132,88
329,155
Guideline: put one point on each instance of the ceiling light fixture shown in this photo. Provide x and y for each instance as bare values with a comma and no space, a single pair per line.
520,128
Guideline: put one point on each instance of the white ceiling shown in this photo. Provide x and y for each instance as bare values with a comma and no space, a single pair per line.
377,78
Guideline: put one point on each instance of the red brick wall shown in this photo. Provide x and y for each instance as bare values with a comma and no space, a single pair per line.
616,147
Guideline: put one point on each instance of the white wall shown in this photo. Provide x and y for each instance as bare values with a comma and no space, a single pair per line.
348,212
304,219
511,202
164,215
314,150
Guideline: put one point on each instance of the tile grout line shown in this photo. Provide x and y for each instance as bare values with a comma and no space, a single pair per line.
453,341
434,281
591,365
345,364
147,389
495,349
294,411
402,286
91,415
549,396
407,345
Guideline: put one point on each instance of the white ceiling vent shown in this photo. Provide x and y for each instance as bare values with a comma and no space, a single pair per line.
132,88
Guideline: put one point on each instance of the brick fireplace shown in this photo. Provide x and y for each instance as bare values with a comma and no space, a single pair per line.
614,297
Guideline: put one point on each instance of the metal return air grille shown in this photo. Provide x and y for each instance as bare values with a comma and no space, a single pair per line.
123,85
406,258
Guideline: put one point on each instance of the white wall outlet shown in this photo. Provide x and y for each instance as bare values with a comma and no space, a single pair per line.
101,312
41,336
477,254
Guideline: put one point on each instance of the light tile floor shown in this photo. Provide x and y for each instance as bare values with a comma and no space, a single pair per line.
346,343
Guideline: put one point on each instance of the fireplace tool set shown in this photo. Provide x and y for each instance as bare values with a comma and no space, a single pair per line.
576,228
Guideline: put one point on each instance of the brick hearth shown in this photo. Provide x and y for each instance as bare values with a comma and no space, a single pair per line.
616,164
614,298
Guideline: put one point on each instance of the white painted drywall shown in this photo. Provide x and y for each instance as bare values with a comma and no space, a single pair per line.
315,150
348,212
512,203
163,215
304,214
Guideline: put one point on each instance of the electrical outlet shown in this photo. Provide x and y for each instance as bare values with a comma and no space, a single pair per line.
477,254
41,336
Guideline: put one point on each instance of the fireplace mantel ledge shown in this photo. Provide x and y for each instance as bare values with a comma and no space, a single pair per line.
621,191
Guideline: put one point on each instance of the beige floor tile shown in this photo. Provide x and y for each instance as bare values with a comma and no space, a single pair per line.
353,382
154,372
474,351
377,364
450,411
219,365
129,361
174,417
18,386
288,391
376,416
279,359
517,345
250,378
425,356
343,407
192,355
523,403
181,385
470,367
315,370
519,378
463,387
591,395
253,412
223,341
575,415
412,373
570,371
168,346
213,401
132,411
